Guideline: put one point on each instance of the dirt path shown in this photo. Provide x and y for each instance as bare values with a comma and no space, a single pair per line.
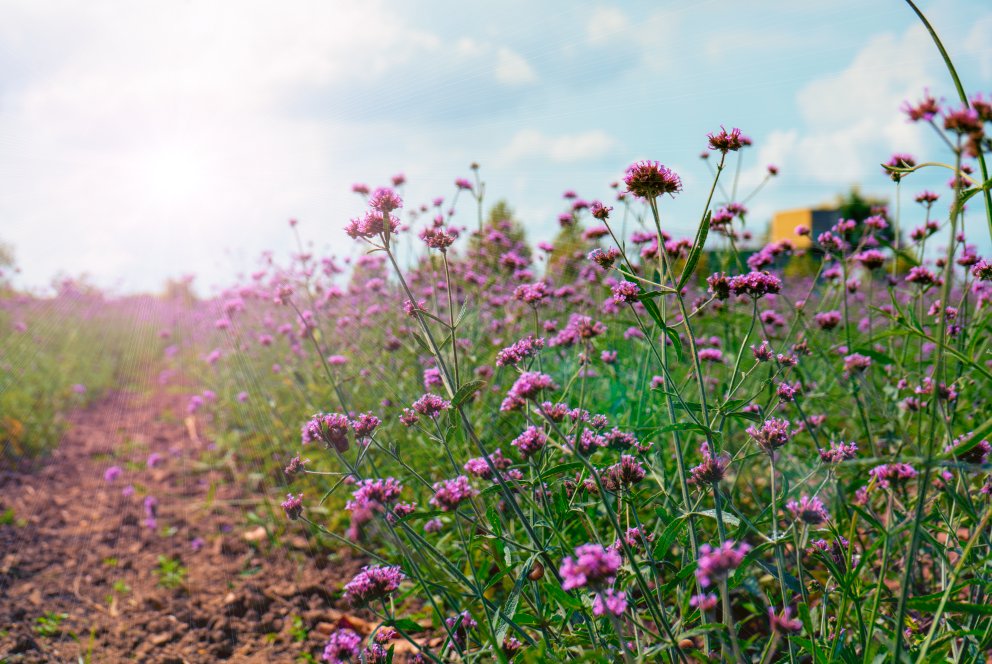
74,544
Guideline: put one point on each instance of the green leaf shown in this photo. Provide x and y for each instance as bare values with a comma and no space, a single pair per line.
696,251
689,426
421,342
562,597
664,543
655,314
727,518
494,521
510,606
461,315
406,625
929,603
466,391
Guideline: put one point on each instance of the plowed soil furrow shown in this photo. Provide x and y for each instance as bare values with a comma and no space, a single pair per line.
81,572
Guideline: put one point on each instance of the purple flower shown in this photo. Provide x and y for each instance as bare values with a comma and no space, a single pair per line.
609,602
579,328
373,224
839,452
711,470
787,392
375,494
342,647
385,200
293,506
626,292
594,567
926,109
784,622
855,363
773,434
604,259
898,161
871,258
296,465
703,602
449,494
112,473
331,428
808,510
519,351
373,582
530,442
151,506
828,320
430,405
531,293
195,402
650,179
528,386
460,625
762,353
716,564
725,141
888,474
624,474
600,211
982,270
719,285
154,459
365,425
710,355
921,275
479,467
755,284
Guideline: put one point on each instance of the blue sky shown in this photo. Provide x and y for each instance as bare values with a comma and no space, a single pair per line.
143,140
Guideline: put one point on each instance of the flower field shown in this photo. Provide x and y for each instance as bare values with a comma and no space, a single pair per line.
623,446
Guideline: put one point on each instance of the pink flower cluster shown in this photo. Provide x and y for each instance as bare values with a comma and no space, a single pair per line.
373,582
528,386
592,567
449,494
716,563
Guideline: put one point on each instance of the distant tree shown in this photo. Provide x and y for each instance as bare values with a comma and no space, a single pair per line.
7,266
569,252
180,290
501,233
6,256
501,218
857,206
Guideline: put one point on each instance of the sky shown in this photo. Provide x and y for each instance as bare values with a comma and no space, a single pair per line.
142,141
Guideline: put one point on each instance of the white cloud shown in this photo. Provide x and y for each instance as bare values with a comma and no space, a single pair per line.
162,135
562,149
976,45
513,69
606,24
851,120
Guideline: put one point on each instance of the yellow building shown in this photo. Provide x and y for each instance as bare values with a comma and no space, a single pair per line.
784,225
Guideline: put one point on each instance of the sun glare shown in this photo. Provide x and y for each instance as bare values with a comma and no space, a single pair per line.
173,174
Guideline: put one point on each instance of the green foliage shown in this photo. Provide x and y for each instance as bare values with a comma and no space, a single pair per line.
49,624
49,346
170,572
569,254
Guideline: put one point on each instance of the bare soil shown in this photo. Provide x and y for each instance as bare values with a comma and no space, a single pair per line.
77,545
